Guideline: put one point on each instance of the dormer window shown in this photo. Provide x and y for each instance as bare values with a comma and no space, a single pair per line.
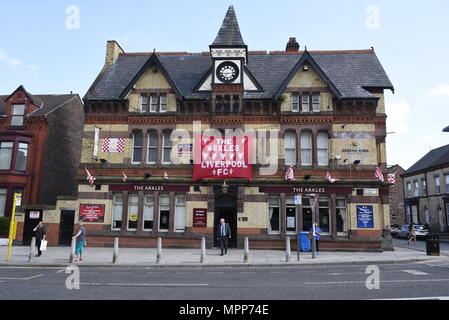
153,104
305,103
18,112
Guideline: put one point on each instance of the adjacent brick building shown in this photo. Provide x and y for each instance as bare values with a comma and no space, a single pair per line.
312,111
40,148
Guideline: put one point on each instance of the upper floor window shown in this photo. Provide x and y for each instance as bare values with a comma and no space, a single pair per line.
305,103
166,147
22,155
137,147
322,148
306,148
18,112
163,103
290,148
437,184
416,189
3,195
153,103
316,103
5,155
144,104
446,179
295,102
424,186
152,146
409,187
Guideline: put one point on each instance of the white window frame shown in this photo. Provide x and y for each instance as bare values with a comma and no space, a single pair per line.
322,149
271,206
154,148
446,182
416,190
295,102
163,207
148,209
328,214
136,204
165,148
10,149
437,184
163,103
116,203
316,104
180,227
134,147
143,102
292,148
153,103
308,149
305,101
345,220
14,115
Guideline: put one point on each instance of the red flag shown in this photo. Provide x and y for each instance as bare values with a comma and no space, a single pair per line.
378,174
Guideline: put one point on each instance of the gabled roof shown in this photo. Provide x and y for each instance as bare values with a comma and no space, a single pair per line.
50,103
229,34
34,100
350,72
434,158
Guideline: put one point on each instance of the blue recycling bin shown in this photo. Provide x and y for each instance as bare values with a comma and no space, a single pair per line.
304,241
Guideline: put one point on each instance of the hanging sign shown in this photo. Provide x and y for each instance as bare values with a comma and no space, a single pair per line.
222,157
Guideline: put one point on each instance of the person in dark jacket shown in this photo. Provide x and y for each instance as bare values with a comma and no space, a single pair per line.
40,235
223,233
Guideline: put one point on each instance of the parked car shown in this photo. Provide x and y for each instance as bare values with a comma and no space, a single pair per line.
394,228
421,232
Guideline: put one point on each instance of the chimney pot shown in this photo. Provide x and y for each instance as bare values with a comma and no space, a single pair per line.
292,45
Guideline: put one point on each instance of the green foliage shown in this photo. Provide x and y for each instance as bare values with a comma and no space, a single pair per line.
4,226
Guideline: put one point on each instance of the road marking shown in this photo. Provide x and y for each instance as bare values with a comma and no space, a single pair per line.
246,272
60,271
147,284
384,281
29,278
415,272
36,267
215,272
183,273
279,272
421,298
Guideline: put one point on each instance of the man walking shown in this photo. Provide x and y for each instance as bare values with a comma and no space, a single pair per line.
224,232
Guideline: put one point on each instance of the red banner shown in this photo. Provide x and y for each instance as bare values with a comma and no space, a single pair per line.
222,157
92,212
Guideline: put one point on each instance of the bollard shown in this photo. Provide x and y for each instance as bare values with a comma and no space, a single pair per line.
246,250
287,249
159,250
115,254
72,250
203,250
32,246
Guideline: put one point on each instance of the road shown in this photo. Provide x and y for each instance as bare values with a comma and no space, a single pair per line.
341,282
420,245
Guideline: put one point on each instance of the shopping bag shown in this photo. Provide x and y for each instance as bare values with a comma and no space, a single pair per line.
43,245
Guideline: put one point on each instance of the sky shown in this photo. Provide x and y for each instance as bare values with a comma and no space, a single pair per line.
58,46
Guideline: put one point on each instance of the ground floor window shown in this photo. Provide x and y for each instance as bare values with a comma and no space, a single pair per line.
324,216
164,212
290,214
273,215
117,210
180,214
341,216
133,211
3,194
306,214
148,212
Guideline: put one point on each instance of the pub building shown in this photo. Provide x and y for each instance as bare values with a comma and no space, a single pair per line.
322,112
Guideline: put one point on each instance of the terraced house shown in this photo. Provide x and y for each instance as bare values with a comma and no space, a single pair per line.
312,111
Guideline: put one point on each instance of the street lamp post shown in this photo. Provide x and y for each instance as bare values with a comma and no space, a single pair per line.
313,205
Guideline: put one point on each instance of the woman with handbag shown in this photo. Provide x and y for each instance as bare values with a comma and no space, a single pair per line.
40,236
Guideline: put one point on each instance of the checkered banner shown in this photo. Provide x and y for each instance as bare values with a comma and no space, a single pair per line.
113,145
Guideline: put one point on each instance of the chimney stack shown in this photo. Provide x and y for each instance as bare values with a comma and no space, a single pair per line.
113,50
292,45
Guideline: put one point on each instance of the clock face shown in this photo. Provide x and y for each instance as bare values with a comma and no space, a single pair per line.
227,72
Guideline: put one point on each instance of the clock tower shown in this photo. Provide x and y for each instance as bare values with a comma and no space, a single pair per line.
229,53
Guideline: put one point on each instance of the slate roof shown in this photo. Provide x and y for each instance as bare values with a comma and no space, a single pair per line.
349,71
434,158
49,103
229,33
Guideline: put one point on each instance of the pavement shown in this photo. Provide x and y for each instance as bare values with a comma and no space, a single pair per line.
146,257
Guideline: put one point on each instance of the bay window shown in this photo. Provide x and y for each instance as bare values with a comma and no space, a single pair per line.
5,155
21,158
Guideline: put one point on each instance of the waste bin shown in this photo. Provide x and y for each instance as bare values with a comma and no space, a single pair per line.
433,245
304,241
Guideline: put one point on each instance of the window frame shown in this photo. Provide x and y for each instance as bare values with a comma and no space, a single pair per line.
134,204
163,97
314,104
116,203
21,116
133,161
180,205
142,104
152,147
146,205
11,153
345,221
153,103
309,149
163,207
277,206
320,149
165,148
295,101
303,103
290,133
18,157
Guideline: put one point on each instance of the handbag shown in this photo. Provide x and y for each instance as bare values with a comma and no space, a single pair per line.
43,246
309,235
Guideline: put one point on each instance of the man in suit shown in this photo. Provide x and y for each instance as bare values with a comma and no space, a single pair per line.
223,233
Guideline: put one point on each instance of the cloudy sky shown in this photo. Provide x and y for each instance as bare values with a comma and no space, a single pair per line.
58,46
